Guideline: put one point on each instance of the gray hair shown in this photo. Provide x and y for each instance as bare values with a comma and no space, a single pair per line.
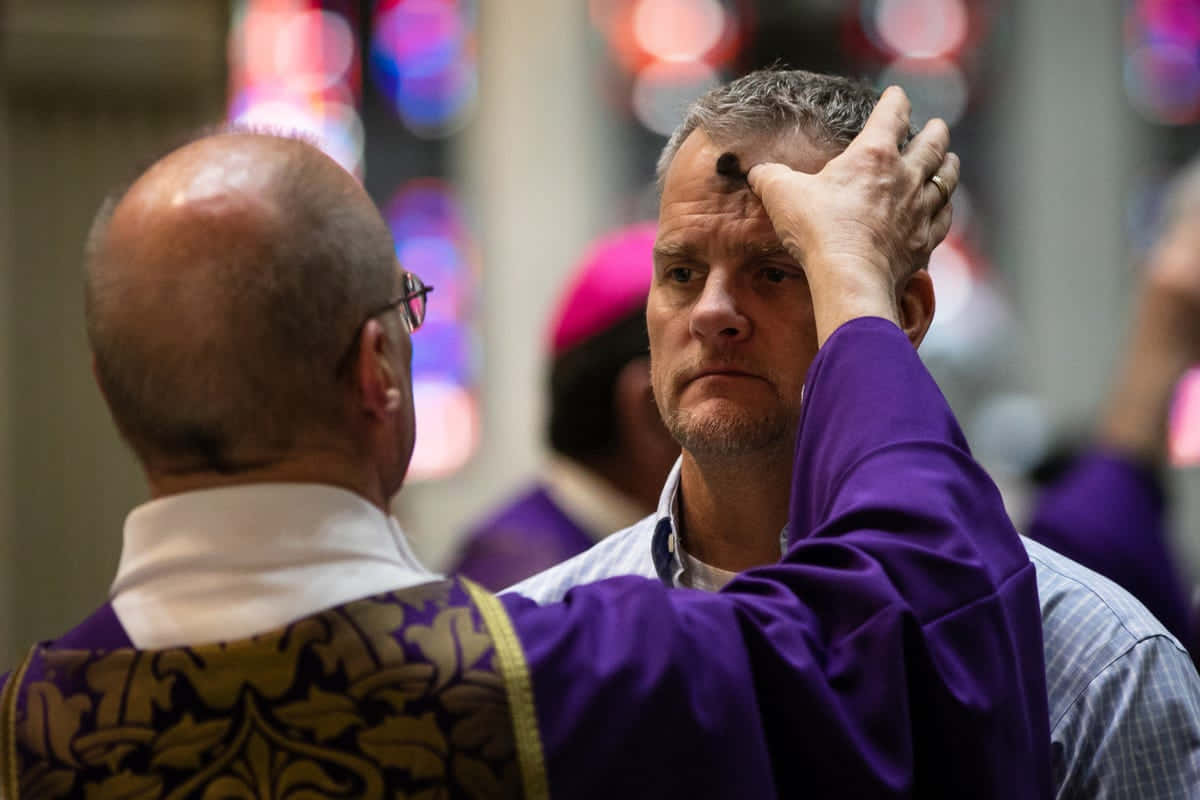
830,109
231,360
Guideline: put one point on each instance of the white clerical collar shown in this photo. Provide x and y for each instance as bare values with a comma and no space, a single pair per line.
222,564
598,506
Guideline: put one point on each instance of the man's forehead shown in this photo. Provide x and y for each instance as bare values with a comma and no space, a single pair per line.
752,245
792,147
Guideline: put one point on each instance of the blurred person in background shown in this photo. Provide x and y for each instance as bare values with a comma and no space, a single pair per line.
269,632
611,450
1106,507
732,330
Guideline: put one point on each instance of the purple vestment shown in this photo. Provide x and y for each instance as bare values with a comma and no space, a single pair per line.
1107,513
530,534
895,651
397,695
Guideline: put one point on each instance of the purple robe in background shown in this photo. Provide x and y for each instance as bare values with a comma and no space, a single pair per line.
1108,513
530,534
896,651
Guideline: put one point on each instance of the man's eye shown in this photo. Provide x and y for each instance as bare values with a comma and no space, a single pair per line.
774,274
679,274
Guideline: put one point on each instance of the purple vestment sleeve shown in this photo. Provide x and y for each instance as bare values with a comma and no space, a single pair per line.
895,651
1107,513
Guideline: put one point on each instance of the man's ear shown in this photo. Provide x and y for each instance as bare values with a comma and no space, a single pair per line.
916,301
378,385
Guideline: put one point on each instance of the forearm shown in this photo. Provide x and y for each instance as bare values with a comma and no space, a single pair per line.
1134,419
1164,341
844,289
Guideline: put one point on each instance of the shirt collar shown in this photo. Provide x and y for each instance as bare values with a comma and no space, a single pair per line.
664,544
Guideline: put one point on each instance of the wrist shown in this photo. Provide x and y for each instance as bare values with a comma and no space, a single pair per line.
846,289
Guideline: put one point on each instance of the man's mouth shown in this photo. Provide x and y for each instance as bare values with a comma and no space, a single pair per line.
721,372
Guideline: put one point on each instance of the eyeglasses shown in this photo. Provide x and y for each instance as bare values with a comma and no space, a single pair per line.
411,303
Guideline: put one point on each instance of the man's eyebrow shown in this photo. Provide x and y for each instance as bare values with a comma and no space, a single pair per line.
758,250
750,251
667,250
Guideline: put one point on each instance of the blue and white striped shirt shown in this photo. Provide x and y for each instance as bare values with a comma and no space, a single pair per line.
1124,697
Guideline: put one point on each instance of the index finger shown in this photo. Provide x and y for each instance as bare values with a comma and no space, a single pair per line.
889,120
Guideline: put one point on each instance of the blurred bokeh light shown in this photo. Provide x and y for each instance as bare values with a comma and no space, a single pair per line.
678,30
973,326
917,28
294,68
433,242
1162,59
954,278
937,87
1184,434
669,52
423,58
662,90
1013,429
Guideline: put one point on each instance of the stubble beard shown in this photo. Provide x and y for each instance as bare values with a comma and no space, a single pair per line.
732,434
731,431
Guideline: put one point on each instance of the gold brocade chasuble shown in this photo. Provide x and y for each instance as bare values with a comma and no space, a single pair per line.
416,694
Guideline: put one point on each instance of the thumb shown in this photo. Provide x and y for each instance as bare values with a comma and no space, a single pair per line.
765,176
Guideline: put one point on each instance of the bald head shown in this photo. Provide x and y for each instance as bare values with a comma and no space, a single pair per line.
221,289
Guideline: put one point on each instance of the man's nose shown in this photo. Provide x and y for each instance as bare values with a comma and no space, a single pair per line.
717,314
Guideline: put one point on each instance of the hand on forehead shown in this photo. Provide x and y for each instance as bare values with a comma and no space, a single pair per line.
884,200
889,125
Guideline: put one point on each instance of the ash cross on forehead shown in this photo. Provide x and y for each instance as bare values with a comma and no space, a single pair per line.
728,166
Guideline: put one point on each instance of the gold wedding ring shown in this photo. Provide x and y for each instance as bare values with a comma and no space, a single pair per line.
937,181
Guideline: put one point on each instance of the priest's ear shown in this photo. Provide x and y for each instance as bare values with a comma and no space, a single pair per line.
916,302
376,377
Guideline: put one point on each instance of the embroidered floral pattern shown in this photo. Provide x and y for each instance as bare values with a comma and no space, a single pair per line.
391,696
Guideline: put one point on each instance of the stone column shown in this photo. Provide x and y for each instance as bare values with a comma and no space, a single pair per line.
1067,143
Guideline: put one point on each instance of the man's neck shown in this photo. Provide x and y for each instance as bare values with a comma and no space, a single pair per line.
328,467
733,509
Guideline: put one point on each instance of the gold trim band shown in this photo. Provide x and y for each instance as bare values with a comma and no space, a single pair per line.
519,687
9,779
